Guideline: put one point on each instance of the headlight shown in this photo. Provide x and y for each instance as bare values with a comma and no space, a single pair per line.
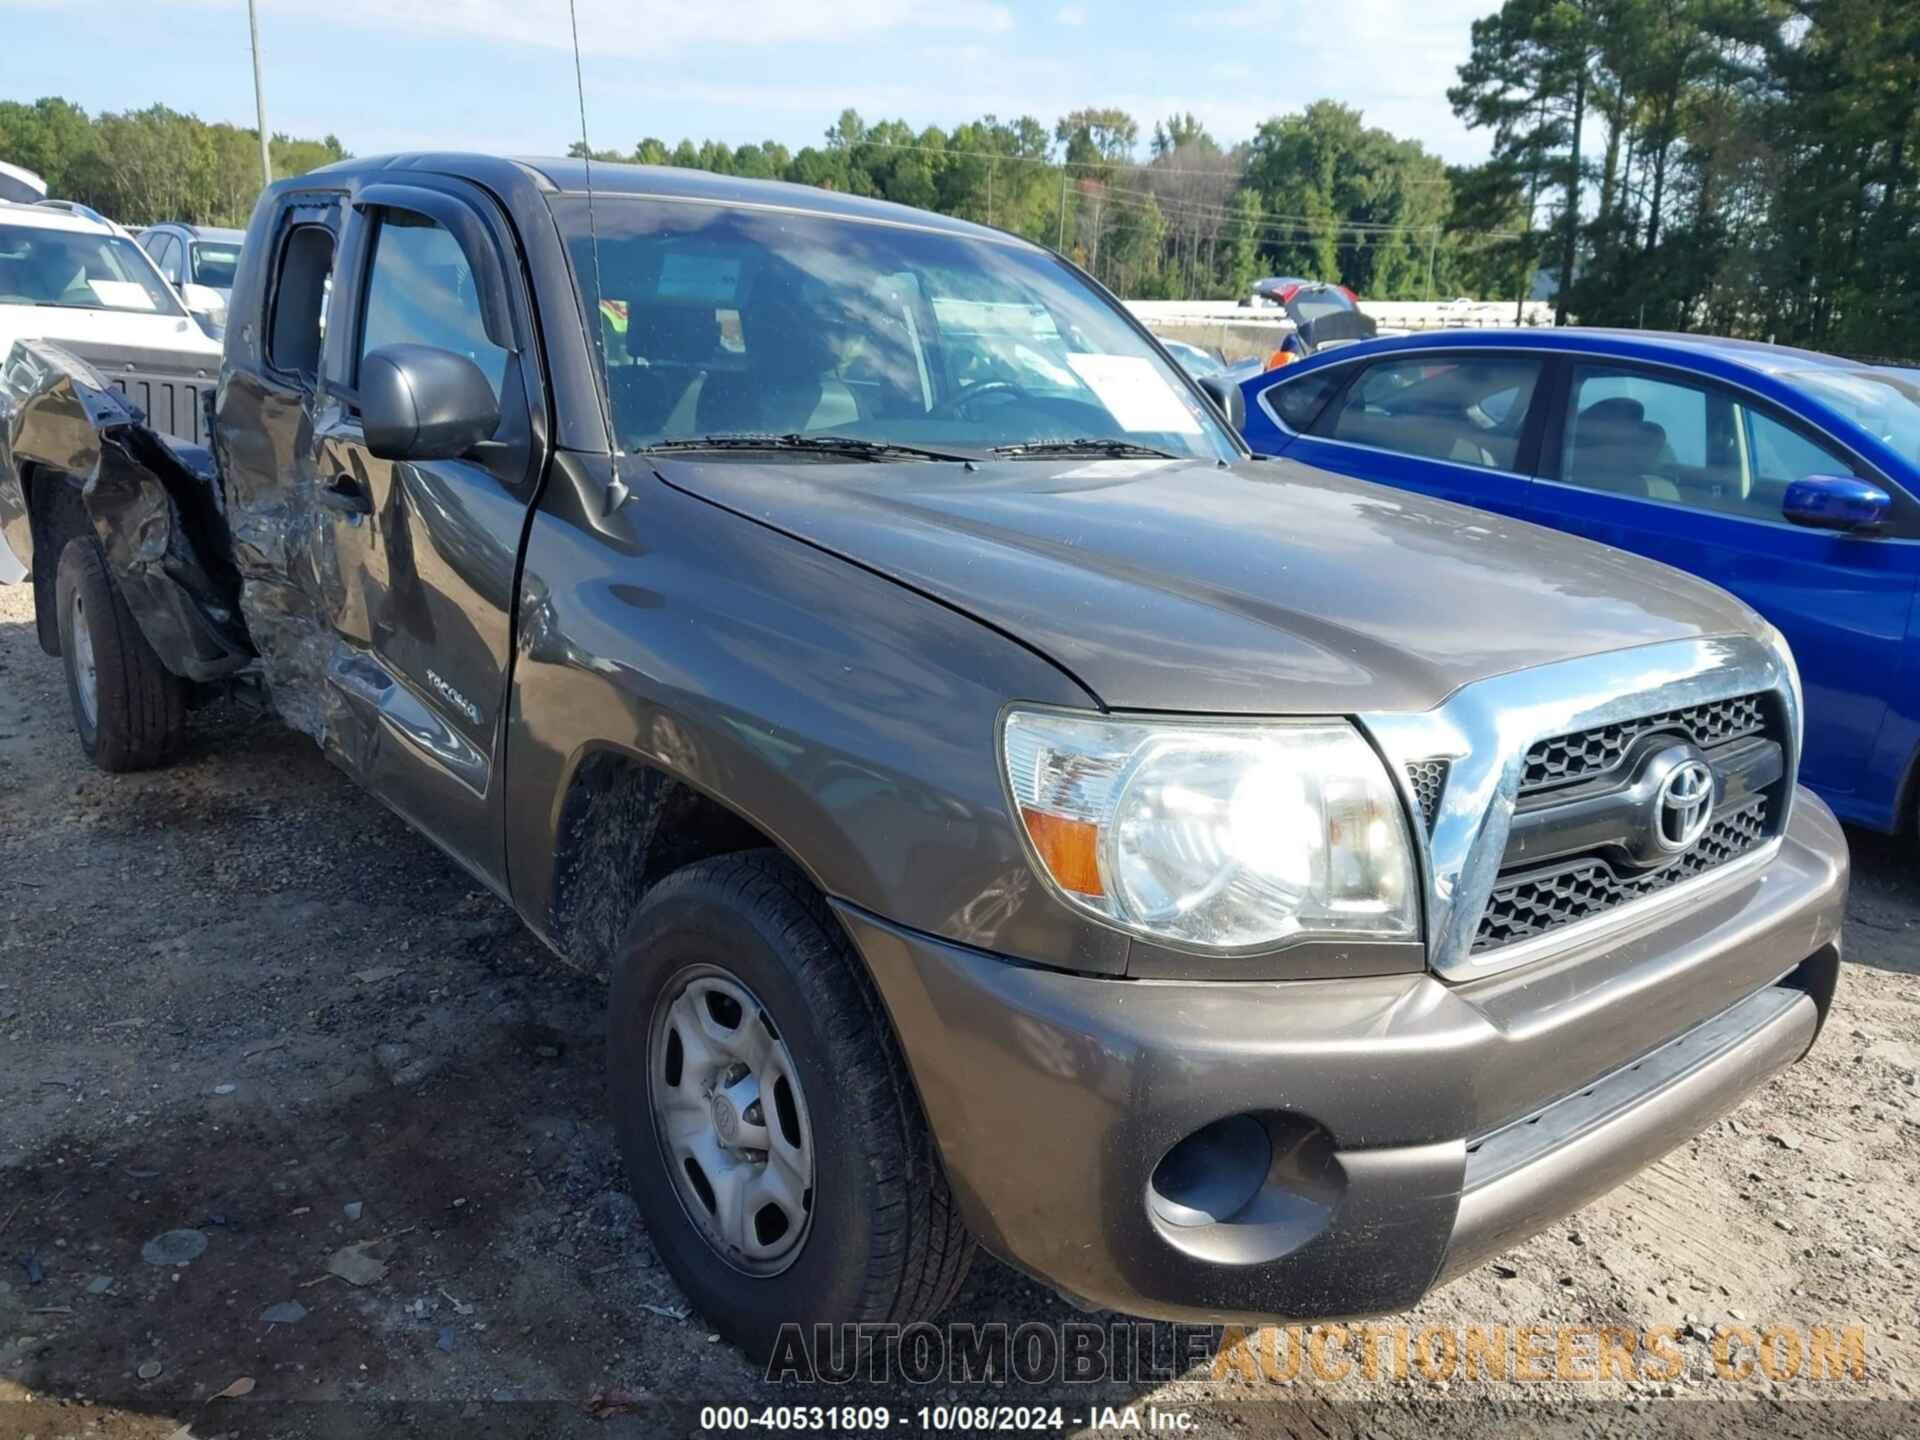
1217,837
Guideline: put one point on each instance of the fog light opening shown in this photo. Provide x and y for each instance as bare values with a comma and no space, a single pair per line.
1247,1189
1213,1174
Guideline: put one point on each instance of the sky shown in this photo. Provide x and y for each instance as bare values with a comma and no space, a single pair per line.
497,75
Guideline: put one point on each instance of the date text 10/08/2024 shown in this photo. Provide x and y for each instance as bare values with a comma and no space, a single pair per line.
1044,1419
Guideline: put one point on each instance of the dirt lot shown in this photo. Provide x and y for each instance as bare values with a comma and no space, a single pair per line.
237,998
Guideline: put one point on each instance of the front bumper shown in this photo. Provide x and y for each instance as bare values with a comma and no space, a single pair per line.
1413,1127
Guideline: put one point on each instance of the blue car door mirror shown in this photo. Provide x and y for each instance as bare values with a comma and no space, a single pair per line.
1835,502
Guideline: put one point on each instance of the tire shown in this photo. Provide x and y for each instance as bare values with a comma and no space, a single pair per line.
880,1240
129,710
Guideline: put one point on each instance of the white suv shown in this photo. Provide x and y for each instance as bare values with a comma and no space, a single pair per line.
82,283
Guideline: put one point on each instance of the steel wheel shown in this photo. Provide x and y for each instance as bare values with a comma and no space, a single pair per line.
732,1120
86,678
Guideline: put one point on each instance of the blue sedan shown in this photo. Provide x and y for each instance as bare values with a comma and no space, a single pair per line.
1788,477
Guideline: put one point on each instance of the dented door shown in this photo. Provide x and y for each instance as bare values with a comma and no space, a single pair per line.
399,576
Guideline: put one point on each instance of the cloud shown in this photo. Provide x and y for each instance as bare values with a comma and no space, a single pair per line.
648,29
1071,15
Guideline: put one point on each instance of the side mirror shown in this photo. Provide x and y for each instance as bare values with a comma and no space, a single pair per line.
1224,393
207,306
1835,502
422,403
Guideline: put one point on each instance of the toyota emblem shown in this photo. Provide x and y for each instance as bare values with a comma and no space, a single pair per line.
1683,806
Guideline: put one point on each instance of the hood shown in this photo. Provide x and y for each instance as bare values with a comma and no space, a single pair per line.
74,327
1265,588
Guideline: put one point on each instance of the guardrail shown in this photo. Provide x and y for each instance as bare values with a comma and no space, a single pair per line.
1391,314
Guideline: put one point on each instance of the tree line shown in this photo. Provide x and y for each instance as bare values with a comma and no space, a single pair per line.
1174,213
1741,167
1744,167
143,166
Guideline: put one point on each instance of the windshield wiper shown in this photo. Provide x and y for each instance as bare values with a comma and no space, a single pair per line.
1119,449
851,446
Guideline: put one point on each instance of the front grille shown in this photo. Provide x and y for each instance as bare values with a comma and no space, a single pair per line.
1588,753
1535,902
1428,778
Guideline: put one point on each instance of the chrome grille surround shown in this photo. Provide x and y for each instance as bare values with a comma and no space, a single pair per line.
1485,732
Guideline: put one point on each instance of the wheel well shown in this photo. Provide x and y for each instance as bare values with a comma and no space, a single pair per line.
624,826
55,514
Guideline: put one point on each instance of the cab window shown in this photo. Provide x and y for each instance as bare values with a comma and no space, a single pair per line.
421,291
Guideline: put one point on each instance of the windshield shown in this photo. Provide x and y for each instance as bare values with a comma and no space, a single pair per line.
1884,403
718,321
214,262
78,271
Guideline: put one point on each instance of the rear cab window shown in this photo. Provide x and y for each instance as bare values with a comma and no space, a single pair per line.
302,286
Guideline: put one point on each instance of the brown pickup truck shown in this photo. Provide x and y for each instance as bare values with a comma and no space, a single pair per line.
1010,813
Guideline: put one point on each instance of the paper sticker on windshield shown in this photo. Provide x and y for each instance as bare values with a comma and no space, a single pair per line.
121,294
1135,393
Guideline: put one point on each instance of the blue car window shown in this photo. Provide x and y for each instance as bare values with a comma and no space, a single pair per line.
1652,438
1679,410
1297,402
1464,409
1780,456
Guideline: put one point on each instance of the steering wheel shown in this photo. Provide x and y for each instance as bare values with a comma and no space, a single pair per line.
955,408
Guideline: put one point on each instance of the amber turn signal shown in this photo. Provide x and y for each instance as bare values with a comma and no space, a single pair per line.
1066,848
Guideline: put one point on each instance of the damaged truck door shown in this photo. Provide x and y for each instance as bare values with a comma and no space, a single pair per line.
399,474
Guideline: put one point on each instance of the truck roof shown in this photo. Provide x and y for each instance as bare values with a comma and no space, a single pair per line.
561,175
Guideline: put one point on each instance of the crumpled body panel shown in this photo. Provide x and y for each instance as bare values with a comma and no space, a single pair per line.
262,447
156,506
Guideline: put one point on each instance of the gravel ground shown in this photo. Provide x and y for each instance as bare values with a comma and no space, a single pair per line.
238,998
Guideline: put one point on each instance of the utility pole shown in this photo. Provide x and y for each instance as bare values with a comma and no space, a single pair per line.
259,94
1433,242
989,192
1062,246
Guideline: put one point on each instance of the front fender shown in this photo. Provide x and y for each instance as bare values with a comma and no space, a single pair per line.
850,720
155,507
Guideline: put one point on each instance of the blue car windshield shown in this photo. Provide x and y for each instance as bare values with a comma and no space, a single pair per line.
719,320
1884,403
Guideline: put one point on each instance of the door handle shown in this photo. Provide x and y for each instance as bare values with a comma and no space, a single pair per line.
345,494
